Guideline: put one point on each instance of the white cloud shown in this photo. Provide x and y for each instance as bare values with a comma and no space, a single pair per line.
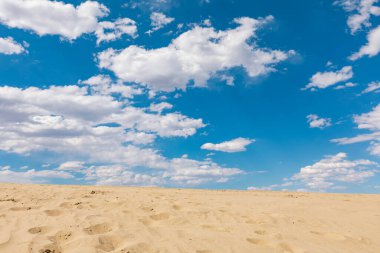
103,84
372,87
166,125
150,5
271,187
68,119
180,171
372,48
183,61
344,86
159,20
232,146
52,17
119,175
363,9
45,17
109,31
96,128
160,107
139,137
329,171
316,122
71,166
9,46
356,139
370,120
93,127
322,80
31,176
192,172
367,121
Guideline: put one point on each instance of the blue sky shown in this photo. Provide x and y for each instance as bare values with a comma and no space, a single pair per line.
221,94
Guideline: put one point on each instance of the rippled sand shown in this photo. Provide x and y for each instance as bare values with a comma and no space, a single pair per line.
82,219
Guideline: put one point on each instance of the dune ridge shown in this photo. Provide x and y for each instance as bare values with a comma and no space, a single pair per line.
93,219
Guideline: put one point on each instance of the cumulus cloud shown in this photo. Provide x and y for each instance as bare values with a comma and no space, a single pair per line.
71,166
94,127
271,187
31,176
179,171
372,87
109,31
52,17
332,170
45,17
372,48
322,80
104,85
182,61
344,86
356,139
70,119
9,46
120,175
367,121
232,146
160,107
360,12
159,20
193,172
151,5
139,137
316,122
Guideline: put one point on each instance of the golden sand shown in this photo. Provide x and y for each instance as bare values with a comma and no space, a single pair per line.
84,219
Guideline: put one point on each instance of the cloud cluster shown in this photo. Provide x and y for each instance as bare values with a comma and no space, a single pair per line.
31,176
159,20
9,46
97,126
332,170
361,12
183,61
232,146
367,121
316,122
360,15
372,87
45,17
71,117
109,31
322,80
180,171
372,48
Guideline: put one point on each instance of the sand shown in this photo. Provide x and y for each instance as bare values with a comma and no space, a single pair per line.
84,219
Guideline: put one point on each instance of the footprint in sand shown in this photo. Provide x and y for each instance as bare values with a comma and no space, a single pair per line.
108,243
261,232
53,212
139,248
160,216
100,228
62,236
286,248
26,208
256,241
177,207
331,236
35,230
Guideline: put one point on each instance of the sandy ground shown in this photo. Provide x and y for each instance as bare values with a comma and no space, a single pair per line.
82,219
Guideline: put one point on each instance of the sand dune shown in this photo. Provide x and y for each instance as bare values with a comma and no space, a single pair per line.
87,219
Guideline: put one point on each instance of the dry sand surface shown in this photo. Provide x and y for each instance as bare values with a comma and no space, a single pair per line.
83,219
